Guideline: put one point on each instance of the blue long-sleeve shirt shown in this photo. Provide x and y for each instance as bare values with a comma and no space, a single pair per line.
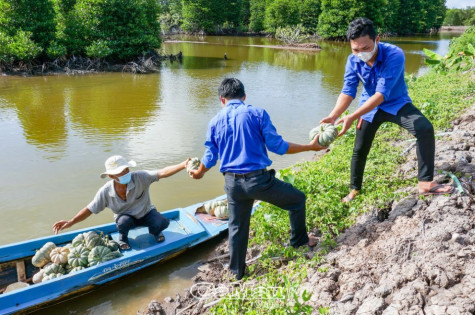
239,135
386,76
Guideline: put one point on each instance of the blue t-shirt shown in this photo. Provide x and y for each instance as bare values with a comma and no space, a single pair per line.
386,76
239,135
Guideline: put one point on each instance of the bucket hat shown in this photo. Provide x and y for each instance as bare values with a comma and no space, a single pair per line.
116,164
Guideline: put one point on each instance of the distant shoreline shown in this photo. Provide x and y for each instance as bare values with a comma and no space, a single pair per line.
454,29
303,46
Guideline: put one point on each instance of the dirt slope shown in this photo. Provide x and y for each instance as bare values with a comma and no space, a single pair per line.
416,256
419,256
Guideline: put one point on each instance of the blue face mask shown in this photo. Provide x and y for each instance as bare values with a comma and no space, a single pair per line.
125,179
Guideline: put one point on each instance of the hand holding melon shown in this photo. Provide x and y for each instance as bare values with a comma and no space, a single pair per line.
327,134
193,164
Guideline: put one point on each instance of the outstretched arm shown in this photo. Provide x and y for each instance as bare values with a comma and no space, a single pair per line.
80,216
312,146
371,103
342,103
172,170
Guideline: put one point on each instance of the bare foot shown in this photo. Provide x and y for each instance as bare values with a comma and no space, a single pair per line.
312,240
353,193
432,188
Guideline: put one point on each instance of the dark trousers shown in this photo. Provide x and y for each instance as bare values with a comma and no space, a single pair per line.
241,192
154,220
409,118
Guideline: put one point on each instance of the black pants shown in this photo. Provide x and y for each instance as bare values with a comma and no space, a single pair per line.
154,220
409,118
241,192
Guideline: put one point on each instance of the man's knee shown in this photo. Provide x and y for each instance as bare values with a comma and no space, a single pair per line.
298,200
124,223
424,128
301,198
158,221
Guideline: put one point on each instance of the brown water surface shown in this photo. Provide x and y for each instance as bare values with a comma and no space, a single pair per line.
57,131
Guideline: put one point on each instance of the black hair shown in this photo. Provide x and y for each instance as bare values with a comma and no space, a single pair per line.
231,88
360,28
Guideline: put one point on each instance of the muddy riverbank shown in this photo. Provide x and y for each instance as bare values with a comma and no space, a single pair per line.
78,65
411,257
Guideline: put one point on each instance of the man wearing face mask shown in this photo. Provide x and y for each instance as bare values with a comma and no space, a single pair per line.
127,195
380,69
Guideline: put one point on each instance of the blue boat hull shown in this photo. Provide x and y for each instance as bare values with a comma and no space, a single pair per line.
186,230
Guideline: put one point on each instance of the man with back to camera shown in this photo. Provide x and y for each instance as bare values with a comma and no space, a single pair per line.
128,196
239,135
380,68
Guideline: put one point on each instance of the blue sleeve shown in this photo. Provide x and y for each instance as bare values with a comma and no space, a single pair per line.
274,142
210,157
350,80
391,71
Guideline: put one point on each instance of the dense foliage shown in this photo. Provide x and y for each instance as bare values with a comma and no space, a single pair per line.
461,55
49,29
330,18
456,17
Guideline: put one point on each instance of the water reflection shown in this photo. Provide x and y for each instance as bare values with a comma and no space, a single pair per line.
58,130
41,113
112,106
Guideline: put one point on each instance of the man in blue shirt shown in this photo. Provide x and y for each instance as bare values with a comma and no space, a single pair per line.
380,68
239,135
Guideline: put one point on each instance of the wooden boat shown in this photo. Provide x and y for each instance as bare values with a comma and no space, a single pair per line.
187,229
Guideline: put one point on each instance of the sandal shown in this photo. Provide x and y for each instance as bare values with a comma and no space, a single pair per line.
160,238
433,190
347,198
124,245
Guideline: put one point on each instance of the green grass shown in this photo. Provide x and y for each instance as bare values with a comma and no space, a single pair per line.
440,97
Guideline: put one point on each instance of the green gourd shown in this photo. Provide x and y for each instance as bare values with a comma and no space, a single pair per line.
92,240
51,276
327,132
208,207
78,257
68,268
221,212
75,269
79,240
59,255
111,244
193,164
53,268
97,255
42,257
112,255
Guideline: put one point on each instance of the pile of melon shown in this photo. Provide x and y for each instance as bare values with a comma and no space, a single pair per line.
86,250
217,208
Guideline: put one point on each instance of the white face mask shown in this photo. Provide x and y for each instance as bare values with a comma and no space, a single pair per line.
365,56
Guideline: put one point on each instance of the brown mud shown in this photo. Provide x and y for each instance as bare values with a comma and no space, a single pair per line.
73,65
416,256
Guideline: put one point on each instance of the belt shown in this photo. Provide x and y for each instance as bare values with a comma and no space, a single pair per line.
247,175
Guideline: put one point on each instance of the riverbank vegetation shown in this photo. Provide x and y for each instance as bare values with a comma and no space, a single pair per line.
327,18
456,17
55,33
274,281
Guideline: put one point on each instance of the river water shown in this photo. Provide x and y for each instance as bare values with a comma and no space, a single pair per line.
57,131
